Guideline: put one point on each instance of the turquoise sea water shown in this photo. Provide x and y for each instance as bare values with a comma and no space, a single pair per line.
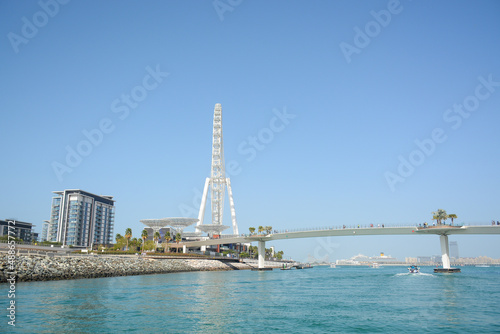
317,300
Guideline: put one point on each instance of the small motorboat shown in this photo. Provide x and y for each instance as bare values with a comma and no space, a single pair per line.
413,270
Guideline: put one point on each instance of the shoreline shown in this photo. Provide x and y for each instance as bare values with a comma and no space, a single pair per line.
31,268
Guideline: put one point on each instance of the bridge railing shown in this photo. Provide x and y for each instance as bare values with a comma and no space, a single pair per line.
225,236
341,227
336,227
356,226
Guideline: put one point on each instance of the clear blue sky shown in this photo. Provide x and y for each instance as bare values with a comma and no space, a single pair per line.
361,81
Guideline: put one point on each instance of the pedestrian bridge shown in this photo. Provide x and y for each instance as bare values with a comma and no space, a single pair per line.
442,230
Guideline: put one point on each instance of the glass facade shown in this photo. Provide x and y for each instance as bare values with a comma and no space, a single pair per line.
52,225
45,231
20,230
103,230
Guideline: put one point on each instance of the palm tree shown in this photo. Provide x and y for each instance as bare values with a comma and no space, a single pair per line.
269,229
254,251
279,255
167,238
452,216
252,230
119,242
435,218
128,235
178,238
439,215
156,237
261,229
144,235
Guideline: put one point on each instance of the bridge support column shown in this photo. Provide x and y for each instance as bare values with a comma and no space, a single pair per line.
445,251
261,248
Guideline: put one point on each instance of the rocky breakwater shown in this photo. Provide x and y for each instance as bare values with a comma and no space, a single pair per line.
42,268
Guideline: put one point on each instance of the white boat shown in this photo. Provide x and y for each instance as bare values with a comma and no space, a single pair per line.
375,265
413,270
333,265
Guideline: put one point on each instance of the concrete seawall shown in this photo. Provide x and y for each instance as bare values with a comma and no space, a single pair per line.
42,268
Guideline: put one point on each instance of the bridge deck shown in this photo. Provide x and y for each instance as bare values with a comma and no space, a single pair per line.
405,230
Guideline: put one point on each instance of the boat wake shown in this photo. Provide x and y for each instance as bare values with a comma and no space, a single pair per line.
413,274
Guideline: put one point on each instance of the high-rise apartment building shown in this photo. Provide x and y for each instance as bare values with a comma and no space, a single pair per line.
18,229
454,250
80,218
